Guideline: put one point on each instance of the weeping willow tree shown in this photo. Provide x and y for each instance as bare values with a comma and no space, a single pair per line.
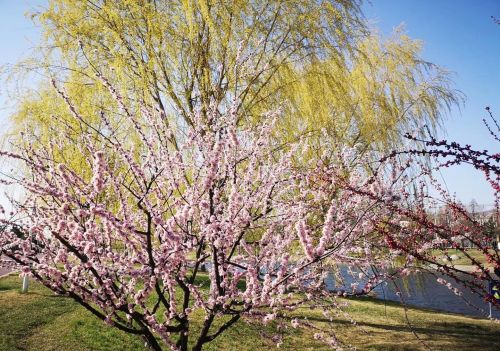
316,59
385,91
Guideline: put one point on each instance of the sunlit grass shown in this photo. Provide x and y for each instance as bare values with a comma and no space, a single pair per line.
40,321
444,256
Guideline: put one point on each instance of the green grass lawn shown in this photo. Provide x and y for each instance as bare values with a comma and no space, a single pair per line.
41,321
462,260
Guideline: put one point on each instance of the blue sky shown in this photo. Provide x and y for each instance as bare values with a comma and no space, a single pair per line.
17,36
458,35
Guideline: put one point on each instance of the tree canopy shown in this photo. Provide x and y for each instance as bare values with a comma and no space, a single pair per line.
172,136
316,59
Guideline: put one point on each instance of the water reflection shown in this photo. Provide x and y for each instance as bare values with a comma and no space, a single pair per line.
422,290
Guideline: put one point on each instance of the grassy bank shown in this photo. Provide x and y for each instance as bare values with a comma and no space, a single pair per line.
40,321
444,256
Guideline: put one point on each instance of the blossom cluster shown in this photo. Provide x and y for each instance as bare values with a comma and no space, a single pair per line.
143,220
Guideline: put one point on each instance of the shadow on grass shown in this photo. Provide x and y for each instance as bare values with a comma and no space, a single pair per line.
20,327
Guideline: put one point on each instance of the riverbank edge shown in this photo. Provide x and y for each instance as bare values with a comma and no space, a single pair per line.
464,268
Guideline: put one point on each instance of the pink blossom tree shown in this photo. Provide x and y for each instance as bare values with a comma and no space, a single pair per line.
147,234
460,225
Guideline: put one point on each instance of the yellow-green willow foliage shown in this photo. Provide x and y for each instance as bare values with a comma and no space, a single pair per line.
384,90
43,113
315,58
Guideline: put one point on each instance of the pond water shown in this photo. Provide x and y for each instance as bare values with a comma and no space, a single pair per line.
422,290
